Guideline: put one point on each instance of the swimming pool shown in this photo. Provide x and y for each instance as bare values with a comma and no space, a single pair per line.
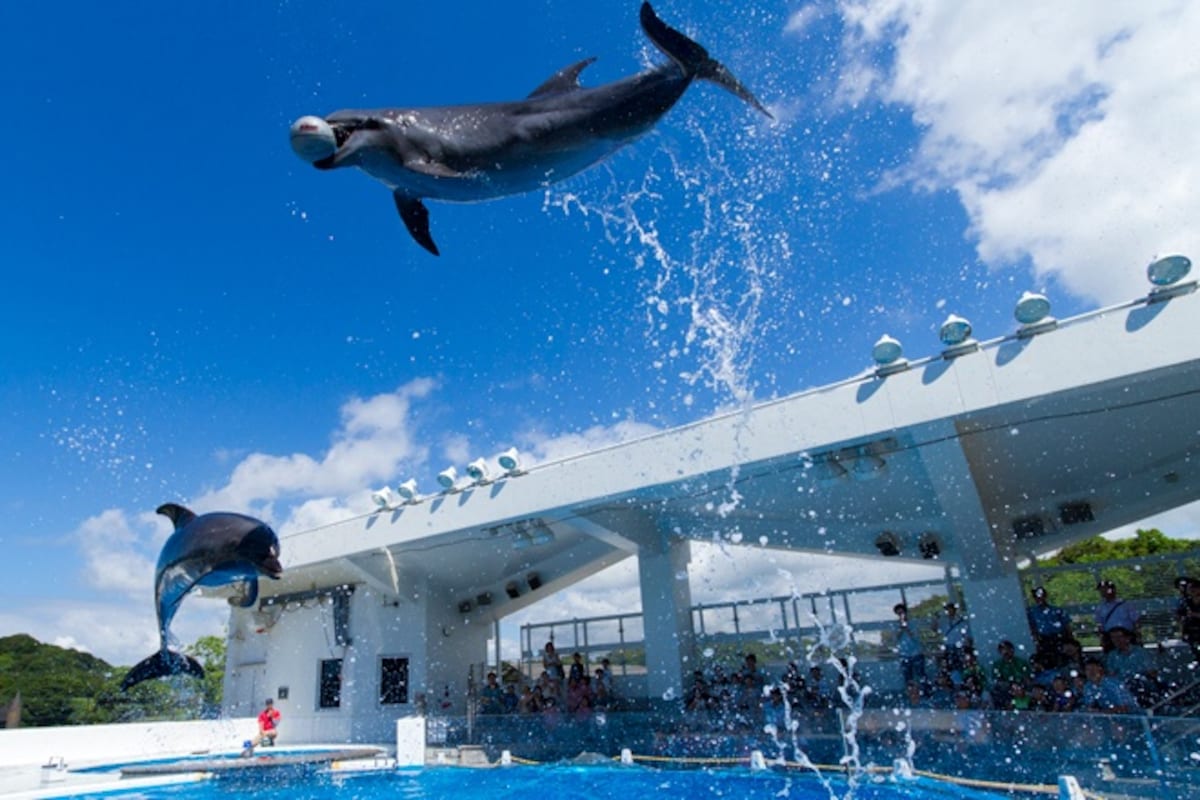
558,781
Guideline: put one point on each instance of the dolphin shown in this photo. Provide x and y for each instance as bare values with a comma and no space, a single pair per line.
470,153
208,550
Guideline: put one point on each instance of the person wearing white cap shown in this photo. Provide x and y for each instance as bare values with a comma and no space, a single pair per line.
1051,626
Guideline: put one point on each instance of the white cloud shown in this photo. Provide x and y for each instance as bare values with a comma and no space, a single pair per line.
544,447
1067,129
375,438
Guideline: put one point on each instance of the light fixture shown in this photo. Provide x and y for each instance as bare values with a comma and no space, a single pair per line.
954,331
447,478
512,590
1168,270
383,498
888,544
465,606
827,469
510,461
886,350
408,491
888,355
534,580
541,534
867,463
929,546
1031,308
477,471
1033,312
1167,274
483,599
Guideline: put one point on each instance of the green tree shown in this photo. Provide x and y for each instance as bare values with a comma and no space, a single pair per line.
210,652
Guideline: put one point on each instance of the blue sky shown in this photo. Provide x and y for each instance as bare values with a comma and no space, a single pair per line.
193,314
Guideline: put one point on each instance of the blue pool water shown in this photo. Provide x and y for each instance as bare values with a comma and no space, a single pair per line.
558,782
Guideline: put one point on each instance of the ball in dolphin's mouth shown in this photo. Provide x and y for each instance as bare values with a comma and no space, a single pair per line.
313,139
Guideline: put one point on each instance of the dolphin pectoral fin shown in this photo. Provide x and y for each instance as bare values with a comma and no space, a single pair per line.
160,665
692,58
176,513
250,596
565,80
416,219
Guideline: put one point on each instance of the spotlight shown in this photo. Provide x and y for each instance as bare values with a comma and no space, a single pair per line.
534,580
827,469
889,356
541,534
512,590
886,351
1032,308
888,544
954,331
408,491
929,546
477,470
465,607
867,463
510,461
484,599
382,498
447,478
1168,270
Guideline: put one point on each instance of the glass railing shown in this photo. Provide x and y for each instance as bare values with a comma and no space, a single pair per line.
1136,756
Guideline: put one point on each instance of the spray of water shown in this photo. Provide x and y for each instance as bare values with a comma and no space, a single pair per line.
710,254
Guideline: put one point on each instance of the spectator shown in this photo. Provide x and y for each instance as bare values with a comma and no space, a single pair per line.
1050,626
527,703
1006,671
1132,666
956,640
491,698
1188,614
1104,693
510,698
819,693
578,669
1062,697
1112,612
908,647
1018,694
551,663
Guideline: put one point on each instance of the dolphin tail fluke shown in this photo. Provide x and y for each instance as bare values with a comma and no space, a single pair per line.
692,58
416,219
160,665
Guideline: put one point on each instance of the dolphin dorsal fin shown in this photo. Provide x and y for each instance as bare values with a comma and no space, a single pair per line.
176,513
565,80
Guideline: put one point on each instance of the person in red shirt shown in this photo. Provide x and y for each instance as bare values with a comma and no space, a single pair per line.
268,724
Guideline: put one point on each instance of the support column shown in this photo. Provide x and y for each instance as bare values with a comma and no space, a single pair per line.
667,617
987,564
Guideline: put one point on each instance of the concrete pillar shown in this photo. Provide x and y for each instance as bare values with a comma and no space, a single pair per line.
987,564
667,617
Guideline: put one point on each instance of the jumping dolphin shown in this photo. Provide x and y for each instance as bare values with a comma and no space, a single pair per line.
470,153
207,550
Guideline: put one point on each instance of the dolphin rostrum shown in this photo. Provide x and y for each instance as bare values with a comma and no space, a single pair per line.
469,153
208,550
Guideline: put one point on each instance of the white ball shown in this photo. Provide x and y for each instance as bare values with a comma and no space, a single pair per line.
313,139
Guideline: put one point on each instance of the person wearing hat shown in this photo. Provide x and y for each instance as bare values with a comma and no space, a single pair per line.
1050,626
1113,612
268,724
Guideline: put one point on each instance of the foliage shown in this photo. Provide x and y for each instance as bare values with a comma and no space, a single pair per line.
59,686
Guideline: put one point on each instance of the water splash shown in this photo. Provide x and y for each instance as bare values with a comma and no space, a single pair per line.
710,255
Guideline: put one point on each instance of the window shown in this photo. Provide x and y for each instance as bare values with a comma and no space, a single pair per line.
329,694
393,681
